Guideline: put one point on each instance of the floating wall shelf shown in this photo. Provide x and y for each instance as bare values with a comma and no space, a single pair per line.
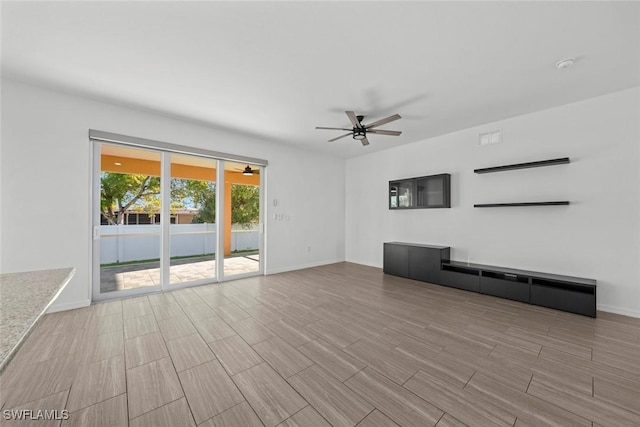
502,205
560,161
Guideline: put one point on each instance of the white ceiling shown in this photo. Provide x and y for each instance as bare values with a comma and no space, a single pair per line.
278,69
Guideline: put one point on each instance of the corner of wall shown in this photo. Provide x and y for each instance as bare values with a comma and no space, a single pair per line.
302,266
68,306
619,310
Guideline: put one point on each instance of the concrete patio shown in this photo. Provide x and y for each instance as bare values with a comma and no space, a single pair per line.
183,270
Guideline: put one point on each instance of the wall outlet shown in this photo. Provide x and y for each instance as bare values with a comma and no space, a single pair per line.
308,248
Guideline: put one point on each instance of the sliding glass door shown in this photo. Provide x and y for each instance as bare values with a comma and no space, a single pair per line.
192,231
241,219
128,235
163,221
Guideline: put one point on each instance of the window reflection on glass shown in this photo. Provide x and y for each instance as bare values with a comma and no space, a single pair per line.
393,197
405,195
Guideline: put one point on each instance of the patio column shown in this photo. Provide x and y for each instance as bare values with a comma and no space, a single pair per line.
227,215
233,177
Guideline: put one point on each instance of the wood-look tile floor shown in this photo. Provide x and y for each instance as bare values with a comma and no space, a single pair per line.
340,345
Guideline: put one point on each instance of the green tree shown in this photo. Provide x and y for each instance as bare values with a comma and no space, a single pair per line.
207,211
120,193
245,205
193,191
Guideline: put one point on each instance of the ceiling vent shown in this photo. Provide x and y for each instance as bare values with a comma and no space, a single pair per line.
492,137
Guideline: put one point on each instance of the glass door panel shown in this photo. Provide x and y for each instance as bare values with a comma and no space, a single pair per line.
242,232
193,241
405,194
129,219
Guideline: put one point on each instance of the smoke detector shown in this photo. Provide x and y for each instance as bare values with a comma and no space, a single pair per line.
565,63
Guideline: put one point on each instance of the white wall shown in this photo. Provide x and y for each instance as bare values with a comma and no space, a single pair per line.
45,174
597,236
45,180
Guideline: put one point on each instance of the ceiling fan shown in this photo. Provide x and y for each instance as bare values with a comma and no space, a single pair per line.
360,130
247,171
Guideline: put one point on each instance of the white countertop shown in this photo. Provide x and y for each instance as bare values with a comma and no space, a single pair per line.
24,298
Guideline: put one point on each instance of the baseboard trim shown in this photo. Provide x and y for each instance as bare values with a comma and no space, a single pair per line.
302,266
619,310
68,306
368,264
85,303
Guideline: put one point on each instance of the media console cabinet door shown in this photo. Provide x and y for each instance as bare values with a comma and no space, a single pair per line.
502,285
579,302
468,280
424,264
396,259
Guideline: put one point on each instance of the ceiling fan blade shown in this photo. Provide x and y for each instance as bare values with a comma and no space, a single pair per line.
322,127
384,132
364,141
353,119
342,136
383,121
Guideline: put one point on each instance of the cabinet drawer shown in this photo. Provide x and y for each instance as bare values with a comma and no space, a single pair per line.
469,280
505,286
579,301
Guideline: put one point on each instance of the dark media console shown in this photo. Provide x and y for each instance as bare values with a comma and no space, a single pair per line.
432,264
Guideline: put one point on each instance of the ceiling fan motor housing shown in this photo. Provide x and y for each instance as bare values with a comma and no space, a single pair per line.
359,133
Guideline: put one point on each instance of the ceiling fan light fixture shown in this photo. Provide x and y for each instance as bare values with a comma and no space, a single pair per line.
359,134
248,171
565,63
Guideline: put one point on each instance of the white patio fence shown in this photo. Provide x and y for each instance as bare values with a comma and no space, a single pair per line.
120,244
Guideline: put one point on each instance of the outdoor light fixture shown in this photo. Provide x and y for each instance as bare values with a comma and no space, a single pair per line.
248,171
359,134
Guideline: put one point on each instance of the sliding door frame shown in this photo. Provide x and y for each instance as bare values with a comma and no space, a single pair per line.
261,230
96,138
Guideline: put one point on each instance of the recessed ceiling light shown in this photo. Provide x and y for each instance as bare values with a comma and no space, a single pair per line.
117,163
565,63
